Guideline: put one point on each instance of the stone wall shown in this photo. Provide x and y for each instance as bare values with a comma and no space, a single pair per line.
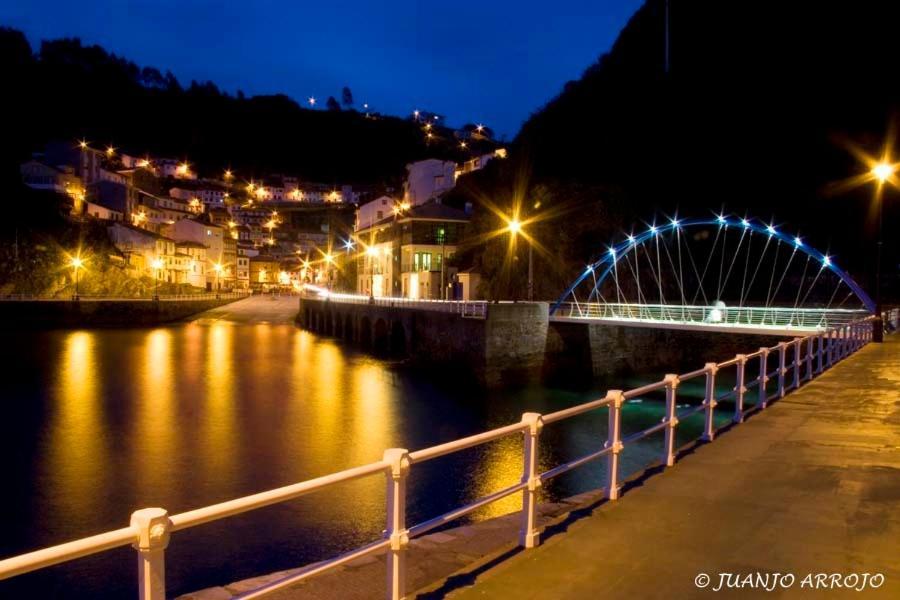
31,314
588,350
506,347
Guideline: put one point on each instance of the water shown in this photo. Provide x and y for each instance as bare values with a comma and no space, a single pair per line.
99,423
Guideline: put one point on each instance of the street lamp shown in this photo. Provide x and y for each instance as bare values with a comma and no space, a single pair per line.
514,226
76,263
217,267
372,252
442,237
157,265
882,172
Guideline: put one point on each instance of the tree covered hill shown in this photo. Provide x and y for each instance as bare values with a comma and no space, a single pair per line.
67,90
758,113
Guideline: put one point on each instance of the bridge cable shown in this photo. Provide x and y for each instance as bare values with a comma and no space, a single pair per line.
733,258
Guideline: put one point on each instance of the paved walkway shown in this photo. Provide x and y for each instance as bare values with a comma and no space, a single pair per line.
262,308
811,485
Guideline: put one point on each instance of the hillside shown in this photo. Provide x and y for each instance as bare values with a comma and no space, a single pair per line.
757,113
66,90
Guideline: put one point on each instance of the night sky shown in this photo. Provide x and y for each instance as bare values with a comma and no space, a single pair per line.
493,62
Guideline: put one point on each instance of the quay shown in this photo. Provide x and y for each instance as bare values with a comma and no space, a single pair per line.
810,485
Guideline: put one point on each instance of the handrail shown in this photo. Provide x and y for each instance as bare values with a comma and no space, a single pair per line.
150,528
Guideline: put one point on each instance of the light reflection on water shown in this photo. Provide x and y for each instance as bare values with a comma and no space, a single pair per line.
104,422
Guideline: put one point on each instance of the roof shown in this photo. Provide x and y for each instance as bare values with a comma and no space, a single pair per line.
430,211
435,210
189,244
146,232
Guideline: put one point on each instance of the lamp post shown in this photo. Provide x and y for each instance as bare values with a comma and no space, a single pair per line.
157,267
76,264
372,253
217,267
882,172
514,226
441,237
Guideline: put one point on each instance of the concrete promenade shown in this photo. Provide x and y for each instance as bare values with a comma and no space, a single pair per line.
810,485
260,308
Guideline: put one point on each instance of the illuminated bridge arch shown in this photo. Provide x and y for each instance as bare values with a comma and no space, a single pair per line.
722,271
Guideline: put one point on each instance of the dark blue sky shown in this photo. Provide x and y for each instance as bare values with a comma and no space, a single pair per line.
490,61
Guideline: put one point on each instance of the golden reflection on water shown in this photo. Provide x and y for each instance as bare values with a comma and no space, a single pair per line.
79,444
501,466
218,407
155,424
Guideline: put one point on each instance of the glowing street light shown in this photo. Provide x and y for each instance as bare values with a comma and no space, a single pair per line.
157,265
110,150
514,226
228,175
83,144
312,101
217,267
76,263
882,171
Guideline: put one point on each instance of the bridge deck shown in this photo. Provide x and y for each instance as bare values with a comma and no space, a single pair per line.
811,485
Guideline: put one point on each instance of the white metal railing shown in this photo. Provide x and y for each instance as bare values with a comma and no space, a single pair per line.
757,316
796,361
474,309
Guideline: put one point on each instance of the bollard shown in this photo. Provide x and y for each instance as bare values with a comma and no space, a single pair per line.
529,537
398,460
763,378
782,371
739,389
709,428
614,441
796,363
152,526
670,419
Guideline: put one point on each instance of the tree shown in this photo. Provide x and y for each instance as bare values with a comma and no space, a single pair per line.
347,97
332,104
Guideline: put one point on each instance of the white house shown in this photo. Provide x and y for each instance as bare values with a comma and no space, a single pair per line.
427,179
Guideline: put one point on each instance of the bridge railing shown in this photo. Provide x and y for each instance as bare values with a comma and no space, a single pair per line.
466,308
796,362
758,316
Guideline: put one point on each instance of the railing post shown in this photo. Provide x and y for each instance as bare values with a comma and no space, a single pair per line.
739,388
763,378
529,537
614,441
809,356
797,361
782,371
670,419
709,401
398,461
830,347
821,351
152,527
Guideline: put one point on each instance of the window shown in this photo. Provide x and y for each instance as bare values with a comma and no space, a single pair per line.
422,261
379,215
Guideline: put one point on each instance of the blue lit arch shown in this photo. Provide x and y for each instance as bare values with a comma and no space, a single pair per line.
611,257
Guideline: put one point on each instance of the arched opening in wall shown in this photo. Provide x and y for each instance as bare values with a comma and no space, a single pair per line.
338,325
348,328
317,321
398,339
329,323
380,337
365,333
